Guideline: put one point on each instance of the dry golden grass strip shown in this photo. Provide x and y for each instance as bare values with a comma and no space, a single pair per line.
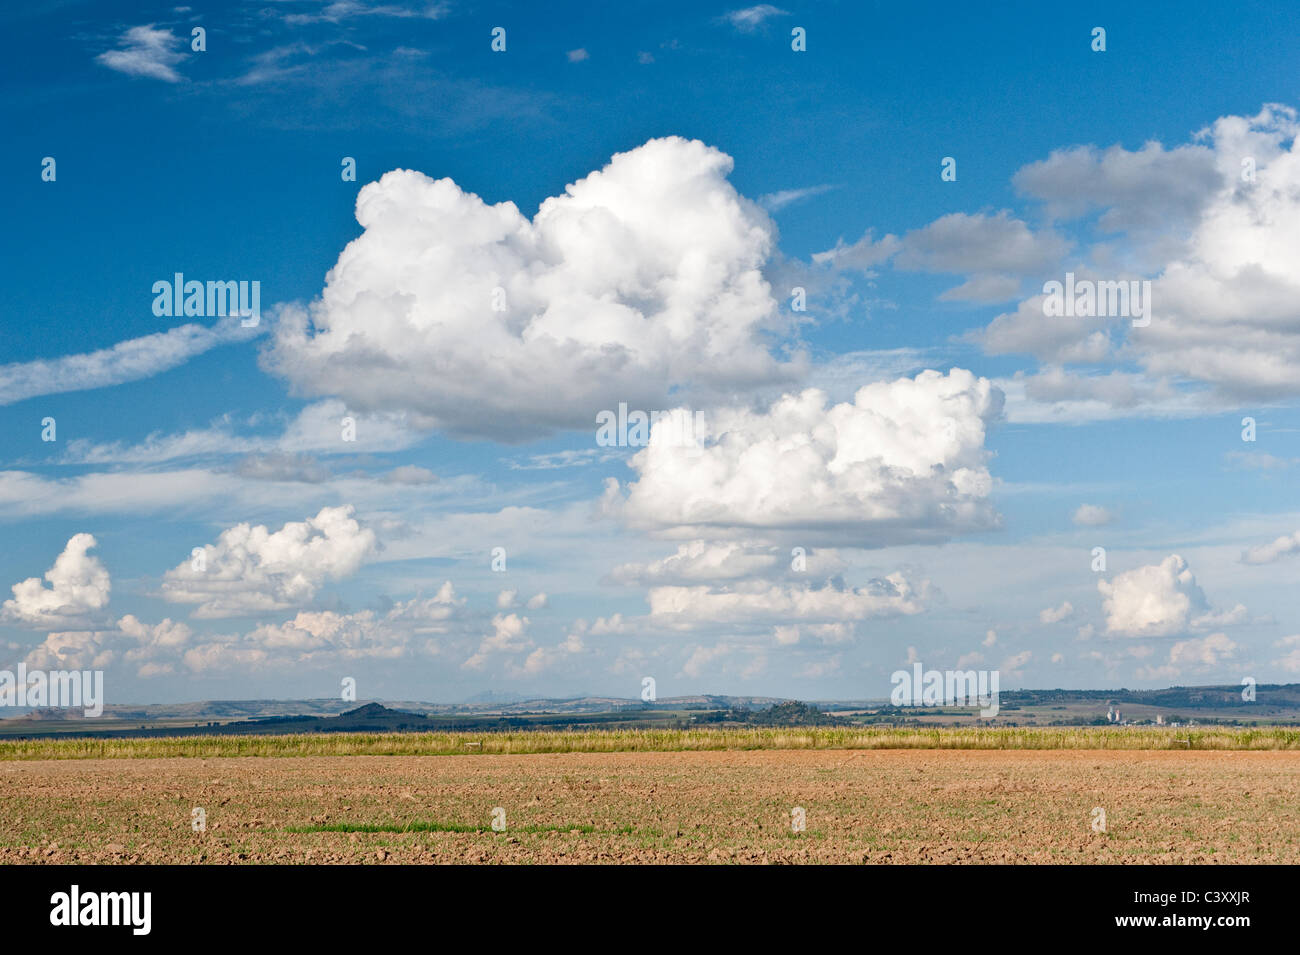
656,740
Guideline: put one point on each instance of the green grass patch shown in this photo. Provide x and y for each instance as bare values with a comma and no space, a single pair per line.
423,826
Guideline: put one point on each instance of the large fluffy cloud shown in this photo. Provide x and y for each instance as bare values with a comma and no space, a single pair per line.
1225,296
643,277
1160,600
77,585
252,569
1228,310
1152,601
903,462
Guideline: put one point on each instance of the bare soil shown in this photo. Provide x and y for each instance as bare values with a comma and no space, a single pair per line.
881,806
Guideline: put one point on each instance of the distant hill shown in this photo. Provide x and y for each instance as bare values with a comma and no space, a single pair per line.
1186,697
225,710
1274,704
789,713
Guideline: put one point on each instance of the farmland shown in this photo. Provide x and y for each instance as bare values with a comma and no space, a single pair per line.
869,796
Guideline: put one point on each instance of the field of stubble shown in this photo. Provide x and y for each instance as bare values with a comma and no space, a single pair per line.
882,806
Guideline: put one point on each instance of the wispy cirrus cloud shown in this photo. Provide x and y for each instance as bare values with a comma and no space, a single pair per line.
146,51
129,360
749,19
774,201
336,11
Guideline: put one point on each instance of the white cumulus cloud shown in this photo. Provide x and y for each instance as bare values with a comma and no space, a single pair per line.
903,462
1091,515
310,638
645,276
689,607
1192,656
1225,291
1161,600
1267,553
1056,614
77,585
700,560
252,568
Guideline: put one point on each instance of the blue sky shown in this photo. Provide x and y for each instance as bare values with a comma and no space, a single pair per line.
948,518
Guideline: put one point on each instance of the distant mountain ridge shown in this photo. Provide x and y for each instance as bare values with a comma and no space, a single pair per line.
1272,703
258,709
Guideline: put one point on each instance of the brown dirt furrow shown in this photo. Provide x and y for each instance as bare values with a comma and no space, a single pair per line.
881,806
